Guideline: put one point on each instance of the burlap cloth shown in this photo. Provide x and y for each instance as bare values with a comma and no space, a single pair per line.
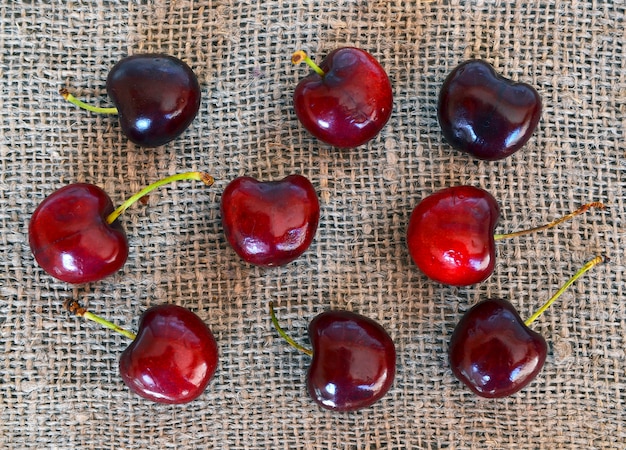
60,386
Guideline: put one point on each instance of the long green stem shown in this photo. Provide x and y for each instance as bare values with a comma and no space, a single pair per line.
595,261
199,176
284,335
552,224
73,307
97,109
301,56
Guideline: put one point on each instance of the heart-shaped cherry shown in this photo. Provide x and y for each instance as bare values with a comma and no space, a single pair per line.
494,352
156,96
450,235
347,100
172,357
270,223
485,114
74,233
354,360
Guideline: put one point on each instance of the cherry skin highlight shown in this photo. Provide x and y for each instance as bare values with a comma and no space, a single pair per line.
450,235
173,357
71,239
157,97
270,223
349,103
484,114
354,361
493,352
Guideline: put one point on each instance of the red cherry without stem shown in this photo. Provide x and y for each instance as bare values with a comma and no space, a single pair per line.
156,96
347,100
484,114
494,352
172,357
270,223
74,233
450,235
354,360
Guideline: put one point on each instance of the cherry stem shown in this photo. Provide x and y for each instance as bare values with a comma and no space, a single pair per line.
97,109
595,261
73,307
284,335
301,56
552,224
199,176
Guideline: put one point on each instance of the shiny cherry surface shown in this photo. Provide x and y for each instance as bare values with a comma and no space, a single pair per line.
270,223
69,236
173,357
450,235
157,97
354,361
493,352
350,104
484,114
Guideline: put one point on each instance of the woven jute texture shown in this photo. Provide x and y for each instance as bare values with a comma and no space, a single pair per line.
59,382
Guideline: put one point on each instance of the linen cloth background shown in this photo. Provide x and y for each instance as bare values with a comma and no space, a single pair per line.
60,386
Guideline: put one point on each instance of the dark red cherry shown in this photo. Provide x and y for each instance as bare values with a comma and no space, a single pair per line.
450,235
71,239
485,114
354,360
173,357
270,223
347,100
157,97
493,352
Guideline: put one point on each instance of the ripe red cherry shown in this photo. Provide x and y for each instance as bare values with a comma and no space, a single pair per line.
485,114
450,235
270,223
172,357
354,360
156,96
494,352
348,99
74,233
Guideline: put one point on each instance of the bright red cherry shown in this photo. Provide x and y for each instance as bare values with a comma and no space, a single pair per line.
354,360
172,357
450,235
485,114
347,100
74,233
494,352
156,96
270,223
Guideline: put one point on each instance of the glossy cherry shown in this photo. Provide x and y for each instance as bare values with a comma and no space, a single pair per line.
494,352
172,357
482,113
347,100
156,96
450,234
270,223
354,360
75,234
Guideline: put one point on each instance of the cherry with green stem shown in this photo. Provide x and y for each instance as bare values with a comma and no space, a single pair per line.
75,234
494,352
172,357
353,359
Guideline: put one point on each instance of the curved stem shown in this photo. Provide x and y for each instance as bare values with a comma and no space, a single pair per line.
200,176
97,109
284,335
73,307
552,224
595,261
301,56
